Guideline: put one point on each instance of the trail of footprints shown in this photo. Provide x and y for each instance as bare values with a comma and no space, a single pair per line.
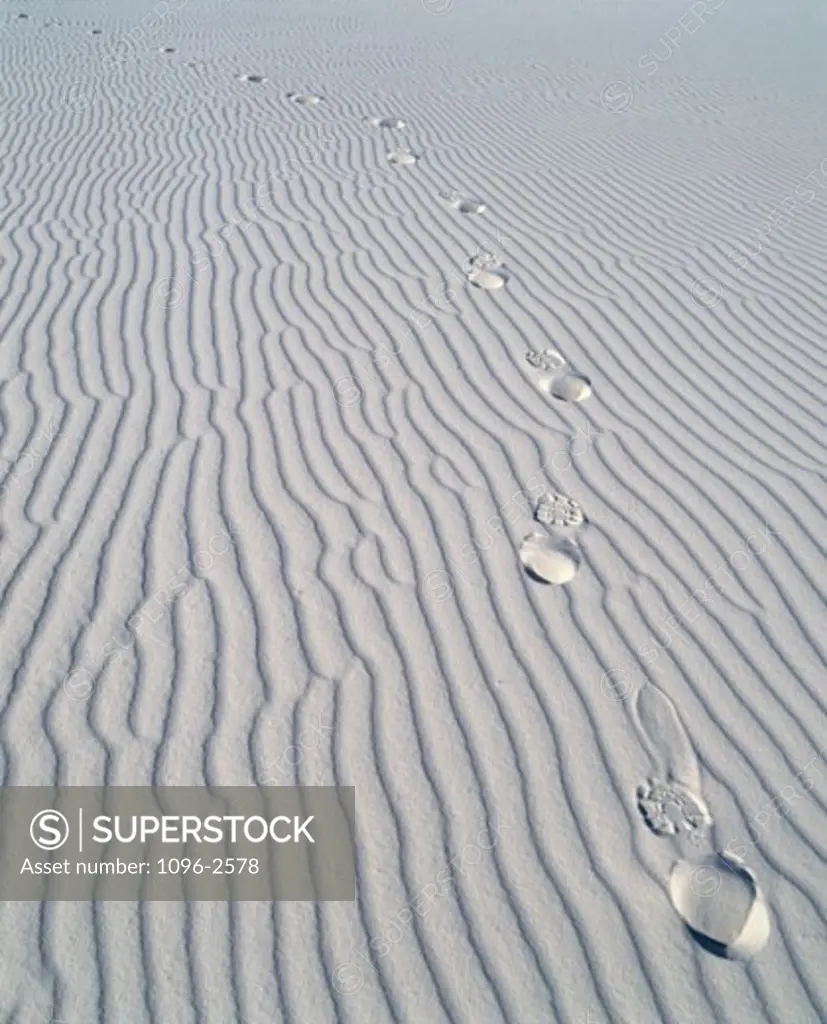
714,894
550,556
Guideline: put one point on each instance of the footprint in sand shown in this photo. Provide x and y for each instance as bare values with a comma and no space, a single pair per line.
550,360
305,99
716,897
559,511
567,387
721,904
463,203
470,206
395,123
484,259
488,280
253,79
669,808
561,381
169,49
663,735
550,559
402,157
484,271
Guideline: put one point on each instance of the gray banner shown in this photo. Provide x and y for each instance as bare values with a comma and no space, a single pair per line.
177,843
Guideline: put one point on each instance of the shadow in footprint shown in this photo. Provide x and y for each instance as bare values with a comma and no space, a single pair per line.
305,99
470,206
550,559
567,387
253,79
720,903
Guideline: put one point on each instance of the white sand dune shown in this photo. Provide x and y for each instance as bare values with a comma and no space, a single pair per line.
269,458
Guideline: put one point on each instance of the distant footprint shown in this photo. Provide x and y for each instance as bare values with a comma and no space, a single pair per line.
171,49
386,122
469,206
305,99
253,79
720,902
558,510
550,559
463,203
402,157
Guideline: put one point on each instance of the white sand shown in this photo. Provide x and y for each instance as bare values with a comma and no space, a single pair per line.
204,250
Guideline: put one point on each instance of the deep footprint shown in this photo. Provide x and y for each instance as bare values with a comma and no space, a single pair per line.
720,902
305,99
567,387
548,559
